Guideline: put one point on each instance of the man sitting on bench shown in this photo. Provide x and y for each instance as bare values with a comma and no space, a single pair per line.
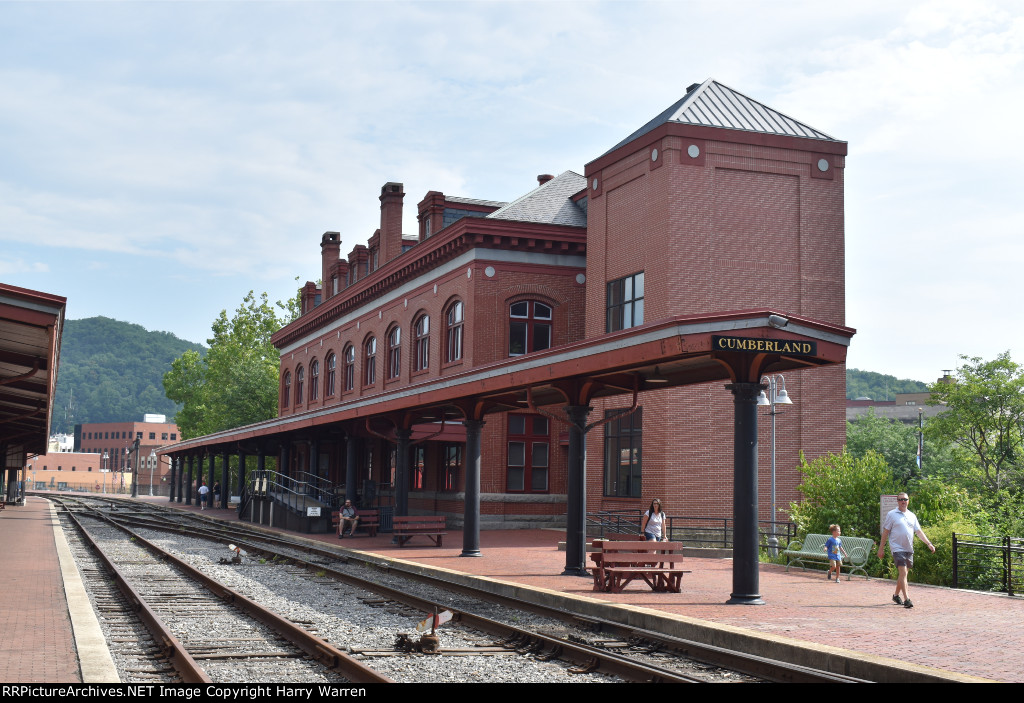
348,517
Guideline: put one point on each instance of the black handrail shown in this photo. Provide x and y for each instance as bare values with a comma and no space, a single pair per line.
988,563
690,530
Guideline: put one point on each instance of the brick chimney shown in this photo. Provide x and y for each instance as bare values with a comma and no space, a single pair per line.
310,295
544,178
330,250
431,214
357,262
391,196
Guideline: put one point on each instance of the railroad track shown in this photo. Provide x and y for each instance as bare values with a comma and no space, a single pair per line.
591,644
132,646
405,654
194,619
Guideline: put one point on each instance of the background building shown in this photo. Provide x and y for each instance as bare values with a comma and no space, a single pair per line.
115,440
75,471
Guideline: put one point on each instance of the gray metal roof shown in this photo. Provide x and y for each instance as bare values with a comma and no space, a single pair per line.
712,104
473,201
549,203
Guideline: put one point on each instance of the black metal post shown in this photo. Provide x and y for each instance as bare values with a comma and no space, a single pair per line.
471,508
172,486
745,575
402,472
576,510
188,483
240,484
181,476
209,481
350,470
956,577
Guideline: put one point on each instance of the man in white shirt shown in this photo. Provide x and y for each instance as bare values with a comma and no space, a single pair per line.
899,527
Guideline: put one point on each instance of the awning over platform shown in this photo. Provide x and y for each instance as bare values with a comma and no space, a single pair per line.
31,324
731,347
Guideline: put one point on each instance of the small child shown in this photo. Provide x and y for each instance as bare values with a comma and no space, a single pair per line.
834,547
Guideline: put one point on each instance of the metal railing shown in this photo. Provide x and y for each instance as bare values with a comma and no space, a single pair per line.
298,492
706,532
987,563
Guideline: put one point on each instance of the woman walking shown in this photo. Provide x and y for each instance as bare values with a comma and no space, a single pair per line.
652,527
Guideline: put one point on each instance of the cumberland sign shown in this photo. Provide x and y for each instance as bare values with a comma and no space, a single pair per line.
792,347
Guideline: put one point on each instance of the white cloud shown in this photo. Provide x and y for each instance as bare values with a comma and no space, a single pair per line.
214,143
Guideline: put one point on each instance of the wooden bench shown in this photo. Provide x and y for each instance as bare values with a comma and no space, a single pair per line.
369,519
409,526
812,548
619,563
597,554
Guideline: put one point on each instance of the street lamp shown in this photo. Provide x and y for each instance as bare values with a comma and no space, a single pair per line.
776,395
920,440
105,471
152,466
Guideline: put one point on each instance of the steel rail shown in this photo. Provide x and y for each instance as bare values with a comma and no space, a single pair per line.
172,649
611,662
585,656
741,662
320,650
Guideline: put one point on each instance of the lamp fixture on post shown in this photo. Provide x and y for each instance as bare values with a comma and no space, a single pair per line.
657,377
774,394
152,468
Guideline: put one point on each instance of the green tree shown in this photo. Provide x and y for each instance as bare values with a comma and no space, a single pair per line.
984,422
893,440
235,383
843,489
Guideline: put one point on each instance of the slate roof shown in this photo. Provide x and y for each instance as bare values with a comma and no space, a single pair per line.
473,201
549,203
712,104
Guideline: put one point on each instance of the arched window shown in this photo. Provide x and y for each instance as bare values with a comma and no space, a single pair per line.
421,343
300,377
350,367
286,392
394,353
454,337
332,362
370,361
314,379
529,327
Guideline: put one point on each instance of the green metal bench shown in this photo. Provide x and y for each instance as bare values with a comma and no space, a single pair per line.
812,548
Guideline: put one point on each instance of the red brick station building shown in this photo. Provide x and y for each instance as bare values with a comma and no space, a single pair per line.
596,343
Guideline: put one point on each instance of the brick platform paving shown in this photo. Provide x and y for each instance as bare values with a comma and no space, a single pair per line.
975,634
36,641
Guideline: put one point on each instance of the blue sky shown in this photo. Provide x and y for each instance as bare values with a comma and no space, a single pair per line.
159,160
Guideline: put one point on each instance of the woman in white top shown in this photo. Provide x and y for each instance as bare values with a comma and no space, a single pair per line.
652,523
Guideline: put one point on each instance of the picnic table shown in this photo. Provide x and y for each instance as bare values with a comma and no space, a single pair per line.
408,526
617,564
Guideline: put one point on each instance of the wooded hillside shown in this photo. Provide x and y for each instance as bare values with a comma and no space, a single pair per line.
112,371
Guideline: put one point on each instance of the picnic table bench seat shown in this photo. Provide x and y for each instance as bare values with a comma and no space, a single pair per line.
430,526
617,564
812,549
